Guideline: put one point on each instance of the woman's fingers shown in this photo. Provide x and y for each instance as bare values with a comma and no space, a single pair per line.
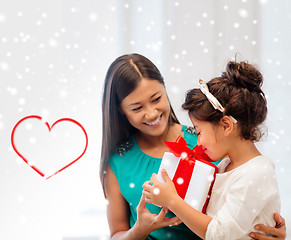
172,221
278,232
267,229
162,214
142,203
258,236
280,221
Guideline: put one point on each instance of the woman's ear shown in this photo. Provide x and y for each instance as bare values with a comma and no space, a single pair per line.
227,124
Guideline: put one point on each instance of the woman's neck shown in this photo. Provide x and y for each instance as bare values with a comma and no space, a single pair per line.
153,145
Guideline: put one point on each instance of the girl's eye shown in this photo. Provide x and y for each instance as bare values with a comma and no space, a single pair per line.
198,133
157,99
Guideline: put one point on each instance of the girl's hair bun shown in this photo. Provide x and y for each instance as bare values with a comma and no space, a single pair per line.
244,75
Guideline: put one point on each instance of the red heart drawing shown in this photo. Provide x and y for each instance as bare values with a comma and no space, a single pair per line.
49,128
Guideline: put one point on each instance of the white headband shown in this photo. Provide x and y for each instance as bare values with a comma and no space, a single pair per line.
213,100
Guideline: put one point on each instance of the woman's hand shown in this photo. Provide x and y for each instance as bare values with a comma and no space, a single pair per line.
161,194
278,232
118,214
151,222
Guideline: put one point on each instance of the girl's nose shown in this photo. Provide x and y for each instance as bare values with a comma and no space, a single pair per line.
198,141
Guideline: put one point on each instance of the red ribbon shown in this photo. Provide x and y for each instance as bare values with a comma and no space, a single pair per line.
186,165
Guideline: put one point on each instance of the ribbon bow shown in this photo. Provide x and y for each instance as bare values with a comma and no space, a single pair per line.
186,165
179,149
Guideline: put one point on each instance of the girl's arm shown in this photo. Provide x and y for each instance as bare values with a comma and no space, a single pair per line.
118,214
279,232
165,194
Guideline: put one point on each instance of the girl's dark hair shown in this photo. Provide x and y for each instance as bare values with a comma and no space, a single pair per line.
123,76
239,92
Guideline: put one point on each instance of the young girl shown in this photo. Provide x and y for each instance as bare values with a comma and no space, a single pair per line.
227,113
137,115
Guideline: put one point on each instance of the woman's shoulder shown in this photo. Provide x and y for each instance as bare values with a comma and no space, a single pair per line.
124,147
121,154
190,134
189,130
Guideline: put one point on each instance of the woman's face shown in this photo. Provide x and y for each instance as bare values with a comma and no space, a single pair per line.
147,107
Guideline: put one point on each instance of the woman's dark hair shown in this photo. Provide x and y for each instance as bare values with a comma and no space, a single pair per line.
123,76
239,92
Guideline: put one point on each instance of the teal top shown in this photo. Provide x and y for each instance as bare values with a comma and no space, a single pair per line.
132,167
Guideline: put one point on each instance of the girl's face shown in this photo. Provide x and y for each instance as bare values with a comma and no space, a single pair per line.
211,138
147,107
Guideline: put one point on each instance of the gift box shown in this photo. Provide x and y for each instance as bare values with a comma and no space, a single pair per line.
191,171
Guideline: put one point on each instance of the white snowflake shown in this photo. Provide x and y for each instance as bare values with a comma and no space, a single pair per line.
180,180
263,2
156,191
93,17
21,101
20,198
2,17
236,25
194,203
32,140
4,66
243,13
53,43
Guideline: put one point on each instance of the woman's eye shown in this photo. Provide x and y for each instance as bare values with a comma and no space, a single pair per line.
157,99
136,109
198,133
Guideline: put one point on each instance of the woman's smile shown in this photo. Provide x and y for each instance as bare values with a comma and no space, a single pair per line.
154,123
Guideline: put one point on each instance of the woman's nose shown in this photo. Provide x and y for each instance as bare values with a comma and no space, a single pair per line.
151,113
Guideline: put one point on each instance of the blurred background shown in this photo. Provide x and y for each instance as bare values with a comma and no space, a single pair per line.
53,59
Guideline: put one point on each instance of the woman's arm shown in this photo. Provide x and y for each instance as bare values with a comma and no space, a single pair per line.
118,214
278,232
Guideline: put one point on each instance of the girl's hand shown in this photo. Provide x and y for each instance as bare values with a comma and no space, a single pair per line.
161,194
149,222
278,232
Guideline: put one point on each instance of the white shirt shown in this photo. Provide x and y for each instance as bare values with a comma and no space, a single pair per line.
241,198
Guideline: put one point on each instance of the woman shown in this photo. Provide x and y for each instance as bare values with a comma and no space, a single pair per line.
137,115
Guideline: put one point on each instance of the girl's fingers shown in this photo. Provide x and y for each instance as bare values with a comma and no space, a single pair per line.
146,194
147,185
165,175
